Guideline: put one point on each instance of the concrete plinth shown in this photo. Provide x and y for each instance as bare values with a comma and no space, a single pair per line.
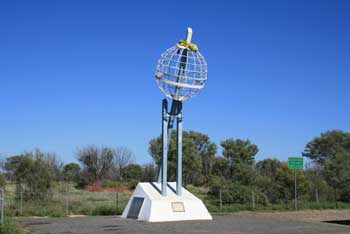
147,204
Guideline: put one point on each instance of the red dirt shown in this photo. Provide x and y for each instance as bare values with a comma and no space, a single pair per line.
96,187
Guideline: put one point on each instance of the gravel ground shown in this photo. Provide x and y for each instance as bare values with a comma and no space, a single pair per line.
238,223
307,215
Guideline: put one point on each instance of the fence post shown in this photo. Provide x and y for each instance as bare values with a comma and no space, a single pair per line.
117,200
253,199
220,197
67,204
21,203
295,190
2,199
67,198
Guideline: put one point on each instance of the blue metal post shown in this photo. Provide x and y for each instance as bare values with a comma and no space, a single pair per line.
179,152
164,146
170,123
159,173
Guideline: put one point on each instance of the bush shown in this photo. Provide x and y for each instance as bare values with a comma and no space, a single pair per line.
2,181
109,184
34,175
104,210
9,227
216,183
132,184
236,193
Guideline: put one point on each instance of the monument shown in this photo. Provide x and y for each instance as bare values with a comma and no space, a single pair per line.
181,73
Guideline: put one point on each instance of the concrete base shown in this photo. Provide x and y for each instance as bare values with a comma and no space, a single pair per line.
147,204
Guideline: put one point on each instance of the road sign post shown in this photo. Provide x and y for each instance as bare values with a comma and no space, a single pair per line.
295,190
295,163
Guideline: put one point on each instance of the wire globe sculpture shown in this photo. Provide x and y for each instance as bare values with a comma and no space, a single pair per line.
181,70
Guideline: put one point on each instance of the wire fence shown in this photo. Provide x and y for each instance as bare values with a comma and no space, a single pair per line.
61,203
65,201
252,201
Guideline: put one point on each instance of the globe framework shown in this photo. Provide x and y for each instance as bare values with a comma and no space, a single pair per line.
181,73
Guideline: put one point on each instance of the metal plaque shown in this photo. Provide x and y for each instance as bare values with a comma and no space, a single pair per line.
178,206
135,207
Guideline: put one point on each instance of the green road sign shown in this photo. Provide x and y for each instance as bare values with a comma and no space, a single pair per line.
295,163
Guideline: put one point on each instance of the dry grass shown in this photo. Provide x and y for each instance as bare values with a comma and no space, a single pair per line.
61,203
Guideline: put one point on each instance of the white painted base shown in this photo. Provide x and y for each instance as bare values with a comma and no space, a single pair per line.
158,208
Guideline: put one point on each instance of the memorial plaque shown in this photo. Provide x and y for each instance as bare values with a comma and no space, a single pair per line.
178,206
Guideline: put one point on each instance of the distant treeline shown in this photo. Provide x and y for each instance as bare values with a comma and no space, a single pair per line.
233,172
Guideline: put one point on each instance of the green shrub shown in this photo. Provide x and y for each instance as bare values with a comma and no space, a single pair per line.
216,183
109,184
104,210
81,183
2,181
9,227
132,184
234,193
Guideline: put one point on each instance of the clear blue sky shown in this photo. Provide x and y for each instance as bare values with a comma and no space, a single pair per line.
74,73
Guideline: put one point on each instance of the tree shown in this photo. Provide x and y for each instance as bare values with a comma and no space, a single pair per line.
331,151
271,181
221,167
216,183
122,158
191,162
149,172
11,165
324,147
276,180
133,172
96,162
198,153
239,152
33,174
206,151
319,188
337,172
71,172
268,167
55,164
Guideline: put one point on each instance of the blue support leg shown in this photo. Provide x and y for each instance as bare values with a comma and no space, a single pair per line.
171,117
164,146
179,153
159,173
